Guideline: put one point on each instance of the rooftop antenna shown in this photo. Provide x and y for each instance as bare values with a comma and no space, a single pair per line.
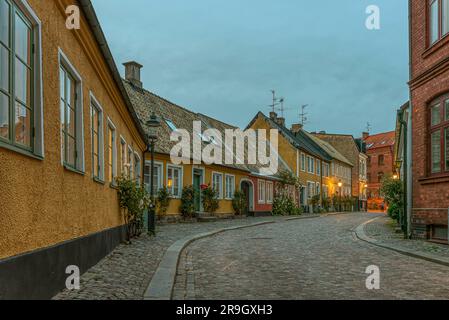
273,106
282,109
368,127
303,115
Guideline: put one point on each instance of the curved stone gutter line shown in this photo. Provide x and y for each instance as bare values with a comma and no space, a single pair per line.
360,234
163,281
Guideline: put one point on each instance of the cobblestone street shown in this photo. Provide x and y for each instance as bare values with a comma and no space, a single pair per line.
303,259
126,272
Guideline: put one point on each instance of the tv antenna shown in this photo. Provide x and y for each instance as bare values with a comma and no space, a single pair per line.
303,115
368,127
275,101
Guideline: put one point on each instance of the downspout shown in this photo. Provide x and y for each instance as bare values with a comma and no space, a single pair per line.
404,129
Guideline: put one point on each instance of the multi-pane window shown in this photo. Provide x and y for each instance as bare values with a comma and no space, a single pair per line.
16,77
137,168
230,186
303,162
310,189
123,163
111,151
130,164
217,184
438,19
68,117
318,167
96,125
270,192
261,191
439,136
157,182
174,181
311,165
318,189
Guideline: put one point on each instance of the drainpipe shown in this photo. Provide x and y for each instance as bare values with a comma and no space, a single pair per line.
405,222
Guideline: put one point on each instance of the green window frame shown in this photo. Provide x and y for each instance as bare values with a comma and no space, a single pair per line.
96,143
17,56
68,100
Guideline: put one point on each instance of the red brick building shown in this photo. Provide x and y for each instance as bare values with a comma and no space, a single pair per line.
380,152
429,87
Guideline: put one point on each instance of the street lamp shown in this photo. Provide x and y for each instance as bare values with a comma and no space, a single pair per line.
152,130
339,186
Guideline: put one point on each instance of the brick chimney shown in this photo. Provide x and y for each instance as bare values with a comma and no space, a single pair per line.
281,122
296,127
365,135
273,115
132,73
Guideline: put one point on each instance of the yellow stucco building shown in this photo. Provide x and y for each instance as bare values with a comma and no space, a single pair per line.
59,145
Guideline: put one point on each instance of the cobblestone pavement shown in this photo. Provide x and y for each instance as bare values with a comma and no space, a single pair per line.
383,230
127,271
303,259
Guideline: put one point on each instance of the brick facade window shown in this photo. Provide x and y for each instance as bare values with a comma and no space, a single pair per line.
438,20
439,135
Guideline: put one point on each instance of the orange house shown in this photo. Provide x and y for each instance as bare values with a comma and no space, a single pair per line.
63,112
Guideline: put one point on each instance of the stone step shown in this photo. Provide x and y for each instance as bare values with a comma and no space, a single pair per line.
207,219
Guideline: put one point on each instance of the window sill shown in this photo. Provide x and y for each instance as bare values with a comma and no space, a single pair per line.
436,46
99,181
70,169
20,151
113,186
434,179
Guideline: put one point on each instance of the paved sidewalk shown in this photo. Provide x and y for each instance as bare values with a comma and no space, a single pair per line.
127,271
383,231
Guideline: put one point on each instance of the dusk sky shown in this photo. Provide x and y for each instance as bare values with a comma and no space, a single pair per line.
222,58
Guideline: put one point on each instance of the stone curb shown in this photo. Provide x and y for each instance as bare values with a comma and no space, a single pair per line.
163,281
360,234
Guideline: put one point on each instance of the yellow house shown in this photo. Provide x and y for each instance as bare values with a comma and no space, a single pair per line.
339,180
300,153
226,179
59,146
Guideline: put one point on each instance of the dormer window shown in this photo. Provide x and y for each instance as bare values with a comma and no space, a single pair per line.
171,125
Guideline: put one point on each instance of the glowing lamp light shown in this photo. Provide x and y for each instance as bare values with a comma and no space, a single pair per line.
170,183
340,184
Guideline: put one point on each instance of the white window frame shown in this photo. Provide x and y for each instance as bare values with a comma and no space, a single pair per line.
94,104
137,168
318,167
270,192
159,168
303,162
123,161
65,62
130,158
113,128
261,191
180,182
220,191
229,192
318,189
310,195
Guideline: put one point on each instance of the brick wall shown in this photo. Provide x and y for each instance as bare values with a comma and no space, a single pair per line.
430,79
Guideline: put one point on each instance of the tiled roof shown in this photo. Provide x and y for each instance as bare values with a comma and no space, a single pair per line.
300,140
146,102
380,140
330,150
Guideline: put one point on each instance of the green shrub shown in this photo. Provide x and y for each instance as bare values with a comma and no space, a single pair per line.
187,207
163,201
239,202
393,192
284,205
133,201
210,199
